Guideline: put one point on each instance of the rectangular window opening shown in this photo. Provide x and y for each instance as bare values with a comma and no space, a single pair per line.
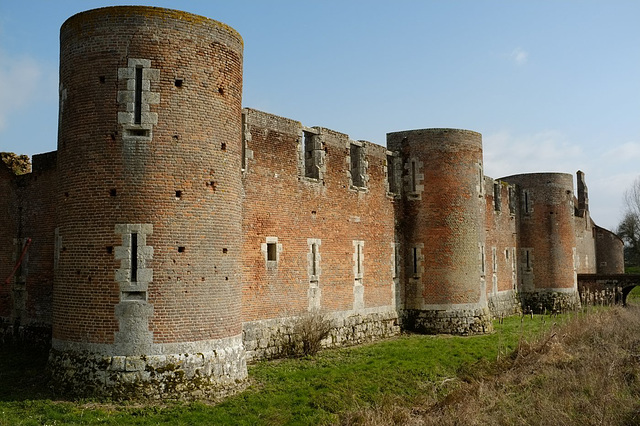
137,106
134,257
497,199
138,132
415,261
526,202
494,259
134,295
357,165
395,261
413,176
314,259
311,155
391,174
359,259
512,202
272,252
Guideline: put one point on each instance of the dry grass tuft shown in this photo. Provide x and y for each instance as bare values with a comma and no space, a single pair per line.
585,372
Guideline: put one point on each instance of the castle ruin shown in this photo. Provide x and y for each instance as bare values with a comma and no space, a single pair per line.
173,236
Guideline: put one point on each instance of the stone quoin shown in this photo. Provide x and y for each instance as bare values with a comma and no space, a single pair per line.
174,236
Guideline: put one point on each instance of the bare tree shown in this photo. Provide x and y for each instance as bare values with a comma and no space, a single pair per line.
629,227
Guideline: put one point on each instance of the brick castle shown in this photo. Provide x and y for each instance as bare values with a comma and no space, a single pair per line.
173,235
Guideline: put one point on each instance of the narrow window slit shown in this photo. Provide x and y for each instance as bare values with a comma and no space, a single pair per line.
314,259
137,106
134,257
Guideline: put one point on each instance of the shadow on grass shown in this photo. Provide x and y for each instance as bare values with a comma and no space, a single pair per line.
23,373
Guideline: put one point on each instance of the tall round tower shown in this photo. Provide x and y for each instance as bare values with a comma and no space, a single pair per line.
147,286
442,221
547,271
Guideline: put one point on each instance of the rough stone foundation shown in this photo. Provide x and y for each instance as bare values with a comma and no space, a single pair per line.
463,322
552,301
504,304
272,338
189,375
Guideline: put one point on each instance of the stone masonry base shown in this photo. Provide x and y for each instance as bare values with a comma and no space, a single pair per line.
552,301
214,374
267,339
504,304
462,321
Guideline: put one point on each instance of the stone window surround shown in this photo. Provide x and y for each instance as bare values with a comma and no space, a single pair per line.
271,264
417,261
314,278
414,178
247,154
318,154
358,274
142,131
363,165
527,259
133,290
396,190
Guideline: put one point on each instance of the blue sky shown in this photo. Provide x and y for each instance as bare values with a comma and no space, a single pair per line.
551,85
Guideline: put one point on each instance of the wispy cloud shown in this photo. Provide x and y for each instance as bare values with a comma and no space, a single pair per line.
626,152
609,172
548,151
520,56
22,76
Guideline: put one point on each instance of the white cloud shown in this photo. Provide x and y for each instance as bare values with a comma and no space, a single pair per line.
608,174
520,56
506,154
627,152
21,77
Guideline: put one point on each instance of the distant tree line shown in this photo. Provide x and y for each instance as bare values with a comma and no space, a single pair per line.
629,227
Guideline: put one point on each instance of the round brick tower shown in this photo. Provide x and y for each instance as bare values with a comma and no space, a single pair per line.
547,273
147,285
442,221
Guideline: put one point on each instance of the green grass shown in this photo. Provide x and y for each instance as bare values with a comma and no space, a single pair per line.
310,390
632,270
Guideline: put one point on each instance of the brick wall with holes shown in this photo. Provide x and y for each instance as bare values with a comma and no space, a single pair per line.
280,202
447,218
501,236
8,232
176,168
36,195
547,229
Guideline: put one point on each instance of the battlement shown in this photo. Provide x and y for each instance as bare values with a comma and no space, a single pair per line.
174,236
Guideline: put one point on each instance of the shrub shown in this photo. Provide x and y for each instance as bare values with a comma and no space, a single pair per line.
310,329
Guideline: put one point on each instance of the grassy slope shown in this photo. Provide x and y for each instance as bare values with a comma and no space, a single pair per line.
351,385
308,390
